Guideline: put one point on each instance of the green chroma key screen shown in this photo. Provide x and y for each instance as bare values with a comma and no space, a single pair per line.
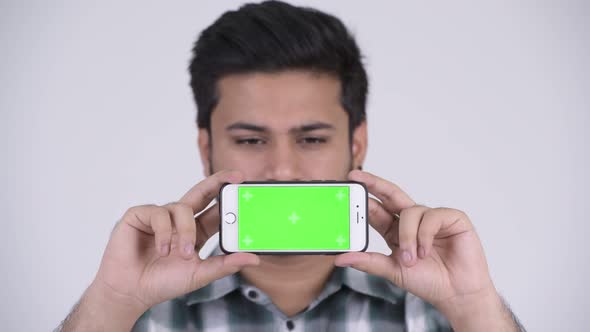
293,218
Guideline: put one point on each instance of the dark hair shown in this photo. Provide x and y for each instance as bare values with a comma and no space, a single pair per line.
273,36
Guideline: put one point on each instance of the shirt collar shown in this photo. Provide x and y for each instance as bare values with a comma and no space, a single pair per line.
355,280
373,286
216,289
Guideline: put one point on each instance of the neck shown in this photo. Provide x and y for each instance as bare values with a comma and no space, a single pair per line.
291,282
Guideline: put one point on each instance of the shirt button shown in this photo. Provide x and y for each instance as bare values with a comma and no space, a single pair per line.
290,325
252,294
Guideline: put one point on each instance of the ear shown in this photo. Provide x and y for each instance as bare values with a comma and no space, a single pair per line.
203,141
359,145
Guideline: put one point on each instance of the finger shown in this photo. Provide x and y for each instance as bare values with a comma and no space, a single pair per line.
429,227
441,223
152,219
184,222
383,222
373,263
394,199
408,233
217,267
207,225
199,196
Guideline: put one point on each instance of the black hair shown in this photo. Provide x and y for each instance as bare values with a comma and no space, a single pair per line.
274,36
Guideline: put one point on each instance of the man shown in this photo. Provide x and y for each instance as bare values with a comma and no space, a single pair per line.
281,94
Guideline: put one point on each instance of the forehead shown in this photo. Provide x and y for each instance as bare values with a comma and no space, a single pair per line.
279,100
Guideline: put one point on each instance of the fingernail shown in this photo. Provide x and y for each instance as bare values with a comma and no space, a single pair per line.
421,252
234,178
189,249
164,249
406,257
359,174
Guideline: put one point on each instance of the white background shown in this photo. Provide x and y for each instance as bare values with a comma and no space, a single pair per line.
475,105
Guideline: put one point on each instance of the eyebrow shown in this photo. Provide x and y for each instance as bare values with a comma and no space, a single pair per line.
303,128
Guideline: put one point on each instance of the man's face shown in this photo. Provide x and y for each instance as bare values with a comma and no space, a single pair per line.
281,126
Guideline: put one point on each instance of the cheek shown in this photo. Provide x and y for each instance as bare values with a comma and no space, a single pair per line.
225,158
334,164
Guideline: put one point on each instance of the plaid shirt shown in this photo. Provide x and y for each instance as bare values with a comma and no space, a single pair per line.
350,301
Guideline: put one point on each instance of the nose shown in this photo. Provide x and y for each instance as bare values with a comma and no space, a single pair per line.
283,163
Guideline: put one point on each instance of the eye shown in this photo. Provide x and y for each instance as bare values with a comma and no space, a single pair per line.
249,141
313,140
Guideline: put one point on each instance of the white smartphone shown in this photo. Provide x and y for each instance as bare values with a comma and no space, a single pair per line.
312,217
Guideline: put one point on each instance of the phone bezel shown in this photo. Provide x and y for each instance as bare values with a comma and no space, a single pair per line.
296,252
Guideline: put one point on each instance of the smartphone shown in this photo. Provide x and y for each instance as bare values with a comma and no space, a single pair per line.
311,217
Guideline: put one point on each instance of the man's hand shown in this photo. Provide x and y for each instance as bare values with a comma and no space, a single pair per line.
436,255
152,256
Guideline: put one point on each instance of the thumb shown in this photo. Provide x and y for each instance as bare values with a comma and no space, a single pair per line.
217,267
373,263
